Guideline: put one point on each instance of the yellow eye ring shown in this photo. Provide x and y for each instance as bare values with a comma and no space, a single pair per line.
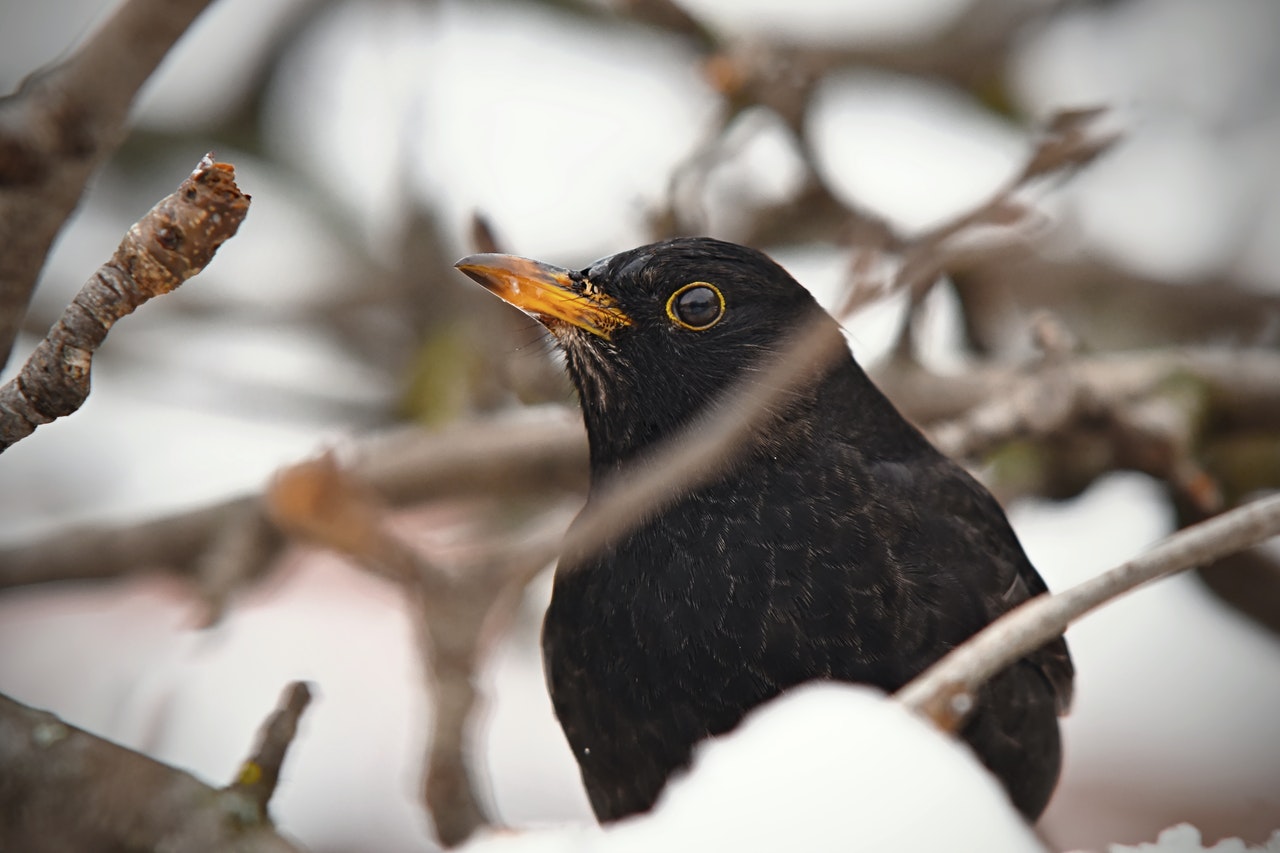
697,306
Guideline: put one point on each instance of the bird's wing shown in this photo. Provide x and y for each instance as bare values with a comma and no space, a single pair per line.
963,559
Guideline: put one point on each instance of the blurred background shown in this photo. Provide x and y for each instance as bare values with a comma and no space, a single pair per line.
831,133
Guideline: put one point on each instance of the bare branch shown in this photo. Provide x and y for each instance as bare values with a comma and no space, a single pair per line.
669,16
1242,386
1071,139
538,452
58,128
317,501
530,453
62,788
174,543
173,242
260,773
945,690
236,552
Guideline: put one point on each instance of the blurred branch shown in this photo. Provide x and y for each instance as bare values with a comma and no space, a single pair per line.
1049,398
944,692
237,549
484,237
452,612
781,76
59,126
669,16
1109,307
173,242
1158,412
62,788
968,414
173,542
1070,140
968,49
1250,582
1242,387
229,543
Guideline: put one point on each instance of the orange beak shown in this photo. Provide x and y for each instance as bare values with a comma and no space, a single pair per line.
551,295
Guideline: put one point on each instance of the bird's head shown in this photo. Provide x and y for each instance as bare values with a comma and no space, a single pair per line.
653,335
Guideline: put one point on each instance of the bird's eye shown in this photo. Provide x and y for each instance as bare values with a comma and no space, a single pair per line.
696,306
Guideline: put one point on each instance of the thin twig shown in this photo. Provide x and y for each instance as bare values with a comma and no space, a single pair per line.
167,246
945,690
484,237
260,773
1070,140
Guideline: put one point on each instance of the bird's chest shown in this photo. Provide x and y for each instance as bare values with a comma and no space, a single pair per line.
714,606
664,616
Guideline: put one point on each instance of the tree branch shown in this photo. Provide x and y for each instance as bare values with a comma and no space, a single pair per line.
173,242
1069,141
452,611
534,453
944,692
62,788
531,453
1243,387
59,126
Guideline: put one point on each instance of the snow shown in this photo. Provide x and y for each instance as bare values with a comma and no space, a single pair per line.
508,110
828,21
825,767
1185,838
915,152
1181,196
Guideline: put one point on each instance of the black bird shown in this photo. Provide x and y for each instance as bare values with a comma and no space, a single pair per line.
840,544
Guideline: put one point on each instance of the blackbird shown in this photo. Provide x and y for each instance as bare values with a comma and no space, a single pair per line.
839,544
